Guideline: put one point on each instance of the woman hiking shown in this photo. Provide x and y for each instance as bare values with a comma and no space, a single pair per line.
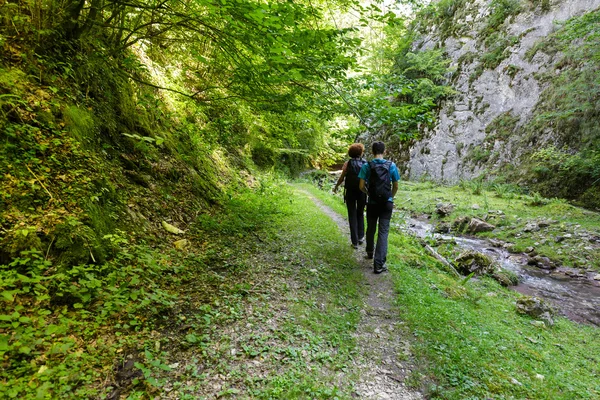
354,198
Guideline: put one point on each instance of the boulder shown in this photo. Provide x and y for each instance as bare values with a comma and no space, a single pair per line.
443,227
536,308
505,277
543,262
461,223
477,225
472,261
531,227
497,243
444,209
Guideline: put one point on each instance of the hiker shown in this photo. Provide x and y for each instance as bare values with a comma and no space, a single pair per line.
381,177
355,199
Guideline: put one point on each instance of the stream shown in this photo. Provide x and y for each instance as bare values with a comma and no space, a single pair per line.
577,298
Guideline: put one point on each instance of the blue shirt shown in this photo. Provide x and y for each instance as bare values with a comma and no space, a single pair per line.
365,172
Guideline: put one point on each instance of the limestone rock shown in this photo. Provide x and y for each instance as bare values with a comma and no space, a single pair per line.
536,308
444,209
531,227
477,225
512,88
505,277
443,227
461,223
472,261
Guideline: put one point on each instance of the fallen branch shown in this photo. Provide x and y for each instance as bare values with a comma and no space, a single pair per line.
440,258
40,182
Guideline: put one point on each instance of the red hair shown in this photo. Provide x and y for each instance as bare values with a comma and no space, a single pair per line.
356,150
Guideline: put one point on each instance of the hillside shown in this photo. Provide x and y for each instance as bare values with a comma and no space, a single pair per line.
526,103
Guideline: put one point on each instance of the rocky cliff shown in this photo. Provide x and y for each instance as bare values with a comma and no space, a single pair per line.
526,76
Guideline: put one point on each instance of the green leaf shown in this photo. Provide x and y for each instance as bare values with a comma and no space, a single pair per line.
3,342
8,296
190,337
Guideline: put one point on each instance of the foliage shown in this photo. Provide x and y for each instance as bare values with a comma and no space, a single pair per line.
65,327
555,166
442,14
403,102
497,45
500,11
568,111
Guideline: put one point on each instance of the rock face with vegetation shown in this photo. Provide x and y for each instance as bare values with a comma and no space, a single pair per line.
526,103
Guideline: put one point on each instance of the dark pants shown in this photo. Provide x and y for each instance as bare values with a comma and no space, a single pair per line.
355,202
383,214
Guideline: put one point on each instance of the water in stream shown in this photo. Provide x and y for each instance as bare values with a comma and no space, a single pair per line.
577,298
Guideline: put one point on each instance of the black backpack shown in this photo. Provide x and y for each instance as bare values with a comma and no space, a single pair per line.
354,166
380,184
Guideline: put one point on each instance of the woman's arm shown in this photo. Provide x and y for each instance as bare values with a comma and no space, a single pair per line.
341,178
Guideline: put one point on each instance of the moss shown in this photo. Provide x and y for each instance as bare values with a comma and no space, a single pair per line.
500,11
81,125
505,277
497,45
473,262
20,239
77,243
478,154
502,127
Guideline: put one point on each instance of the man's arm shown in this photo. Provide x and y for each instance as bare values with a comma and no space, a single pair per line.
363,188
394,188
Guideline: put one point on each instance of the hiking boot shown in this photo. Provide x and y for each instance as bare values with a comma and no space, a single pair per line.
379,270
355,246
361,241
369,256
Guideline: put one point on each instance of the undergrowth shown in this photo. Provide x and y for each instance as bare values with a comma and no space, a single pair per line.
65,328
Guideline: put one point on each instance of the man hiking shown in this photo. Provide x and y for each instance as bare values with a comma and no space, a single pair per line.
354,198
381,177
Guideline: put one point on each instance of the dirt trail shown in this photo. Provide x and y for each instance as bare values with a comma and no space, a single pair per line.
384,353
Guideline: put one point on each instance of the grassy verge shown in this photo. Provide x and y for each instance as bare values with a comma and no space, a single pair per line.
469,339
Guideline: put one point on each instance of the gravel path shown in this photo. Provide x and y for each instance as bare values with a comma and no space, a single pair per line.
384,353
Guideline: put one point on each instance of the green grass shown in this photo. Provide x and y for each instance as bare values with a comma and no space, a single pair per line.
470,342
519,209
